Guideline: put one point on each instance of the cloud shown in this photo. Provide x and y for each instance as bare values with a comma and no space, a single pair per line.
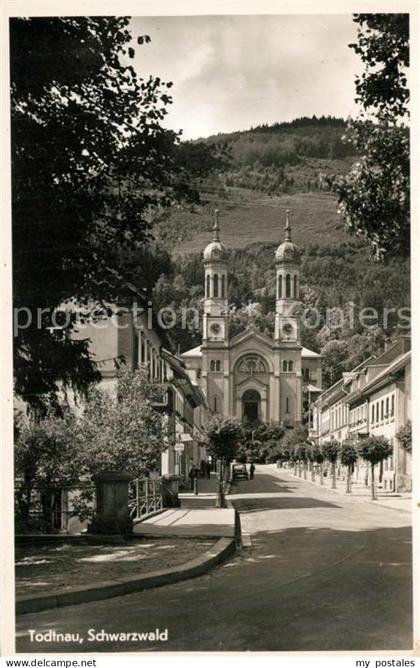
233,72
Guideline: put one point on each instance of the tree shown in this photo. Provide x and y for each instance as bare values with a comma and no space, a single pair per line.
404,436
45,462
310,456
224,435
348,456
318,457
331,450
292,438
374,196
121,429
375,449
300,456
90,160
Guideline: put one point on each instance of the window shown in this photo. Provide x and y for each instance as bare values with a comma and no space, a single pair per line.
287,404
284,365
198,374
290,365
215,285
373,413
251,364
392,404
280,287
382,409
223,286
287,285
377,411
387,407
295,287
215,404
215,365
208,285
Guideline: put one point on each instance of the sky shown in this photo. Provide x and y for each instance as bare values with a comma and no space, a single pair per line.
234,72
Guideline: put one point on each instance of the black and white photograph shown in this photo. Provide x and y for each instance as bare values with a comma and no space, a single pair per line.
210,318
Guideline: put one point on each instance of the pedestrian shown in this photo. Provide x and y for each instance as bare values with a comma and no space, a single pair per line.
208,470
193,474
251,471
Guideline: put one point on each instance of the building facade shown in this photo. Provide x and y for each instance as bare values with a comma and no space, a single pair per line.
374,399
253,376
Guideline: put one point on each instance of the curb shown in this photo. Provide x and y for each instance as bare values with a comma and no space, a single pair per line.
359,499
224,548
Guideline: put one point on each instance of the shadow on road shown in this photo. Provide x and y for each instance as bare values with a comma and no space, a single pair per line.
279,503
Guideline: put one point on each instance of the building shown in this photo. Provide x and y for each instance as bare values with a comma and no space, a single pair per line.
374,399
253,376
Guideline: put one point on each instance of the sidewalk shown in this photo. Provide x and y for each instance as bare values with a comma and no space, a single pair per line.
215,522
402,502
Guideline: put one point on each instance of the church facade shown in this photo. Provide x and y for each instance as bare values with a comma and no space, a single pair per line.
253,376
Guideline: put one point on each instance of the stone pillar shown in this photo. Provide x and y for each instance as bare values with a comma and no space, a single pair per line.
170,489
112,513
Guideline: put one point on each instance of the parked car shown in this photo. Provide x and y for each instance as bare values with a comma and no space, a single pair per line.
239,471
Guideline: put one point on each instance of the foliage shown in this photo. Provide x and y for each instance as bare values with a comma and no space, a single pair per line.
348,454
330,450
90,160
296,436
45,460
300,452
261,443
317,454
383,45
375,449
374,196
224,435
404,436
121,430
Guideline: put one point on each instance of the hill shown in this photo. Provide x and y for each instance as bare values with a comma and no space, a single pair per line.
254,176
249,216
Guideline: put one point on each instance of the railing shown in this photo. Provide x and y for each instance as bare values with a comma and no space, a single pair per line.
145,497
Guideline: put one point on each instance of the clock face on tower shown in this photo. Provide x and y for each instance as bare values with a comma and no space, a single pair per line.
215,328
287,329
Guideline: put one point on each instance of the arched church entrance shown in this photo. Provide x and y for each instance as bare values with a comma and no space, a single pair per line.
251,406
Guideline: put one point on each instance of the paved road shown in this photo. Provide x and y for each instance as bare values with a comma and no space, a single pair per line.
324,572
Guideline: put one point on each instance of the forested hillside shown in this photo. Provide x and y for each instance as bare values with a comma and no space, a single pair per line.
255,177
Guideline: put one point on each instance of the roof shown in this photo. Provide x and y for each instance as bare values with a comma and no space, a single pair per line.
193,352
313,388
381,379
309,353
197,352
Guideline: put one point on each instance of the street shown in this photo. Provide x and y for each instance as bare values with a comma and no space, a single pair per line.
323,572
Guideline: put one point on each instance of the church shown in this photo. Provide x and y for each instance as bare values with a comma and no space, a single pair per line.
252,376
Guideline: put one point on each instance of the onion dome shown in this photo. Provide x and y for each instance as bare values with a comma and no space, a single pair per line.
288,251
215,250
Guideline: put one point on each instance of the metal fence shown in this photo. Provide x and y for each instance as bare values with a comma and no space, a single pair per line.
145,497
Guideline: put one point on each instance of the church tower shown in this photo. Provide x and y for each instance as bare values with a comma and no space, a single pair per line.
215,321
287,323
287,329
215,347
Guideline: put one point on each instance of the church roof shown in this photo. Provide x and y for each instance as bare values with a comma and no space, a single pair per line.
288,251
193,352
215,250
309,353
196,352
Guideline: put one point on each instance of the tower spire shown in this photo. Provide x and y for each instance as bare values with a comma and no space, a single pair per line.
216,228
287,227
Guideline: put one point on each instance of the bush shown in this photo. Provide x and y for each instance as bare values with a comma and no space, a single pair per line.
404,436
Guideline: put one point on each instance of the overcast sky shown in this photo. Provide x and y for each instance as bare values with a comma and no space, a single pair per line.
234,72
